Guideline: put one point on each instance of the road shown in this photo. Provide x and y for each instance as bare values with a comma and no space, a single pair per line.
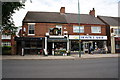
82,68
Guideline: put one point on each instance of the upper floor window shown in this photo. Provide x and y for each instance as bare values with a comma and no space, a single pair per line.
24,29
6,36
31,29
78,29
117,31
96,29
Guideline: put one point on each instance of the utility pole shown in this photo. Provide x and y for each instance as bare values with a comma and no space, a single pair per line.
79,28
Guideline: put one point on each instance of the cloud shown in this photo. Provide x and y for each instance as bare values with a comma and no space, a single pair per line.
102,7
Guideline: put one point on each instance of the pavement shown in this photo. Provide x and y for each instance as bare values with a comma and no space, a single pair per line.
41,57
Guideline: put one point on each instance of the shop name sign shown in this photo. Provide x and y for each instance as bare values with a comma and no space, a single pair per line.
88,37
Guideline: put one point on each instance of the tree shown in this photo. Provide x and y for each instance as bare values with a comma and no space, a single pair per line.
8,8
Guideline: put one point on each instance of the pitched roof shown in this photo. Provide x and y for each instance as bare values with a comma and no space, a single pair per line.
113,21
44,17
56,17
84,19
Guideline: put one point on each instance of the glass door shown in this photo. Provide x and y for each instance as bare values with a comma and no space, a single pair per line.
86,46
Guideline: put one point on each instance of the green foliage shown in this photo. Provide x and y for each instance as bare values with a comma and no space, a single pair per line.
8,8
7,46
62,51
6,50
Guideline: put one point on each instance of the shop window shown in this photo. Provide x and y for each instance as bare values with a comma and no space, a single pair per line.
39,44
33,44
74,46
78,29
117,46
60,45
117,31
96,29
24,29
60,48
100,44
31,29
27,44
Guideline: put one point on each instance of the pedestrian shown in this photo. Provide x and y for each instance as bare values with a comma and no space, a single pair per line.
90,49
106,49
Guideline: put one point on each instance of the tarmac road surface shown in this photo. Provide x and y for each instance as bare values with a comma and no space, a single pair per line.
80,68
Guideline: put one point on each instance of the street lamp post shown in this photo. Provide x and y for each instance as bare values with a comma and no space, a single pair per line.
79,28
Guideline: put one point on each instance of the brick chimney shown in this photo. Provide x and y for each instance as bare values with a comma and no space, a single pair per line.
62,10
92,12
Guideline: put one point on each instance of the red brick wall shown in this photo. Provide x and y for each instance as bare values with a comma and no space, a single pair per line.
42,28
13,44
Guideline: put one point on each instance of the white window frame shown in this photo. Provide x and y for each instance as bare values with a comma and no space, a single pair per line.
116,31
28,28
79,29
24,29
92,31
6,43
6,36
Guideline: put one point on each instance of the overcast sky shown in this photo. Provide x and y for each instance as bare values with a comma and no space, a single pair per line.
102,7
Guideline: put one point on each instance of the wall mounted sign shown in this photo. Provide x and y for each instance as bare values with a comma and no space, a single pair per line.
57,39
85,37
56,36
28,38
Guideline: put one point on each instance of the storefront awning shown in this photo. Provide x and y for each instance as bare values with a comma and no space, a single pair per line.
57,40
28,38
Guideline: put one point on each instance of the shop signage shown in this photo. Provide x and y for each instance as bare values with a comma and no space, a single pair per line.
84,37
56,36
57,40
28,38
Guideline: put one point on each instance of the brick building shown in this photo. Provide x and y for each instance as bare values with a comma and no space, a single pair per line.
55,31
113,32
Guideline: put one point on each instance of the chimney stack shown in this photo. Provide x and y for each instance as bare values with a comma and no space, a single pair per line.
92,12
62,10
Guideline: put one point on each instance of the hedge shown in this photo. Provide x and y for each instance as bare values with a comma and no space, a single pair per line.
6,50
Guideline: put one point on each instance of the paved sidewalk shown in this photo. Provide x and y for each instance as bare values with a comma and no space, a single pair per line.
75,56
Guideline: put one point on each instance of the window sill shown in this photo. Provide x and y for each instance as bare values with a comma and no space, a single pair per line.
96,33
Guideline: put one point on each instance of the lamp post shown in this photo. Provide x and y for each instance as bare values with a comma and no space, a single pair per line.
79,28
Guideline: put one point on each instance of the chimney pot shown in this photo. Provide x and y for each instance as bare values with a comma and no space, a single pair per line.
92,12
62,10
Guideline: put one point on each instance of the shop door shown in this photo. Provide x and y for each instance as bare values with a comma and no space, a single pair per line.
49,48
86,46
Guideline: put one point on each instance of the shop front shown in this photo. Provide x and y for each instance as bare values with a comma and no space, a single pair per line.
88,44
29,45
56,46
117,44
